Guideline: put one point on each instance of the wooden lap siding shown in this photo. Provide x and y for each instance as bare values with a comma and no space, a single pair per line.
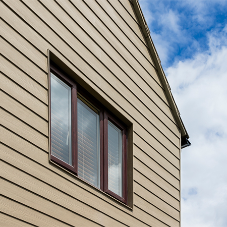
102,43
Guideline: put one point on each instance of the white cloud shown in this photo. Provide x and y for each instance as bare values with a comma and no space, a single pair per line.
170,22
201,9
199,86
162,46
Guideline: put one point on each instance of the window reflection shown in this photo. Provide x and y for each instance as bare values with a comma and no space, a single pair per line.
61,120
114,159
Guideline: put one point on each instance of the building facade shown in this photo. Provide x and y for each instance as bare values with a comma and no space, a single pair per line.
102,52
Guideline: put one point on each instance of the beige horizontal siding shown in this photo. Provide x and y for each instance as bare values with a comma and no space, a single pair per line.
128,18
23,46
8,221
165,130
150,220
157,143
156,201
23,113
162,157
67,185
44,205
159,170
24,80
159,192
21,128
23,63
107,51
16,21
22,96
28,214
125,22
125,29
128,7
151,175
153,211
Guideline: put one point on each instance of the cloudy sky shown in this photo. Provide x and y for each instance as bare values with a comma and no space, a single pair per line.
191,39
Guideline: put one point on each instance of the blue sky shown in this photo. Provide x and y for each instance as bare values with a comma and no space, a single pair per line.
191,39
183,26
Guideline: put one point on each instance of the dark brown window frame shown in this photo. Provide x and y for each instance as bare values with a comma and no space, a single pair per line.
104,117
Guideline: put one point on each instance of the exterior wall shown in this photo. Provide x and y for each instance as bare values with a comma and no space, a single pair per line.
102,43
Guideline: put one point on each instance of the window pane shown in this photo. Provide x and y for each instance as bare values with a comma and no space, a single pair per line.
88,144
114,159
61,120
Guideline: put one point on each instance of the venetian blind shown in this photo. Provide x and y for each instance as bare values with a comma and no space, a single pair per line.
88,143
61,120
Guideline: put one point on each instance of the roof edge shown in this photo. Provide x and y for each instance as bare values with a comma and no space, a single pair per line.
156,59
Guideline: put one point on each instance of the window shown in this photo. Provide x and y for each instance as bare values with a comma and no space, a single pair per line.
85,138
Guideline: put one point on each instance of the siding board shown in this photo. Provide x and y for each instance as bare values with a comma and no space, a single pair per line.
150,220
148,184
156,141
125,30
19,24
153,211
27,214
19,127
23,63
165,159
40,183
148,161
21,112
22,96
128,7
130,57
47,198
8,221
51,209
23,46
24,80
150,174
125,22
157,202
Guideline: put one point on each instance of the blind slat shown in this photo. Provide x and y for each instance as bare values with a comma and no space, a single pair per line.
88,144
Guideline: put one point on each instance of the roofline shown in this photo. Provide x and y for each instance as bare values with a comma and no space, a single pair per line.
157,62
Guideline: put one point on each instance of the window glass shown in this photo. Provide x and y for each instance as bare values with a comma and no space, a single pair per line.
114,159
88,143
61,120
